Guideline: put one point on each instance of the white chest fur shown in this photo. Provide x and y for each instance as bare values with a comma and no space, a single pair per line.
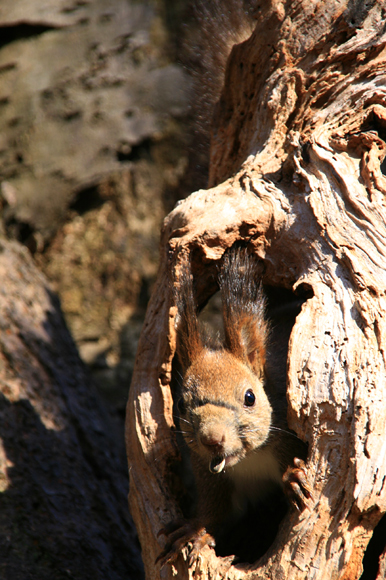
253,478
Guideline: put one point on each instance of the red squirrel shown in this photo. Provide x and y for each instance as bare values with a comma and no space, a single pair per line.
232,414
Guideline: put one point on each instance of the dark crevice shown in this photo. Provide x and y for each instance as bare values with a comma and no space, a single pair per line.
375,548
383,166
86,200
140,151
373,122
379,126
323,99
22,31
22,231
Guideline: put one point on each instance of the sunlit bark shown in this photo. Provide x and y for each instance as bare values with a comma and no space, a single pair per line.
296,169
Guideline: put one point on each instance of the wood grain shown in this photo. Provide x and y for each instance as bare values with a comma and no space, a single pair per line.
296,169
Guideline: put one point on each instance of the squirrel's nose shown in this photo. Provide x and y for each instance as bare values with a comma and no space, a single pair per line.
213,440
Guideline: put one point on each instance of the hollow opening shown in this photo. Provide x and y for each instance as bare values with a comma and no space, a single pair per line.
375,549
247,536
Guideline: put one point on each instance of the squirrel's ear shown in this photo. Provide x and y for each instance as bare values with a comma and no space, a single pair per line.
243,301
252,336
189,343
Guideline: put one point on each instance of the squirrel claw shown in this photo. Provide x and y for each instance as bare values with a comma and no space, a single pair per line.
181,535
296,485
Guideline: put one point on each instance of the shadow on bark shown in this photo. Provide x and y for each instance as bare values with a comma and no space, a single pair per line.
63,473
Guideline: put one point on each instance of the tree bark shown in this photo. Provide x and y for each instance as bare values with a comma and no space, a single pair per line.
63,477
296,169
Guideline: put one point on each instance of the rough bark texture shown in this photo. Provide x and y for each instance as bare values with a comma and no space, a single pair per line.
63,478
299,139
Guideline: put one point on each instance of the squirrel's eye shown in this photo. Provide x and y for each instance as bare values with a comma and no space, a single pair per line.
249,398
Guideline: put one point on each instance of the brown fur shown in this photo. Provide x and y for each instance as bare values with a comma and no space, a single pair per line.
246,330
189,341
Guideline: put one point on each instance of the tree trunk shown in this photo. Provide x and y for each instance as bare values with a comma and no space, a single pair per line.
296,170
63,475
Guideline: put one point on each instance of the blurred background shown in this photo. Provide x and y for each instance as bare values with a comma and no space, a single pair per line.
95,110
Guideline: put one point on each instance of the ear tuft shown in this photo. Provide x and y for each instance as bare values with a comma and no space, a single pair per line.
189,343
245,327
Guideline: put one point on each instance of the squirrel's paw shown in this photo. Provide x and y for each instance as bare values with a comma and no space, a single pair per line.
183,534
296,486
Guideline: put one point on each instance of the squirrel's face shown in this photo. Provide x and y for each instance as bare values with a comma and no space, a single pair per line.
225,410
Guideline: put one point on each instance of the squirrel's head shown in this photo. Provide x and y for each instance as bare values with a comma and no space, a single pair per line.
225,410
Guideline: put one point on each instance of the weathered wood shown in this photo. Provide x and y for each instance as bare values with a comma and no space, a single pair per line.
63,477
299,140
